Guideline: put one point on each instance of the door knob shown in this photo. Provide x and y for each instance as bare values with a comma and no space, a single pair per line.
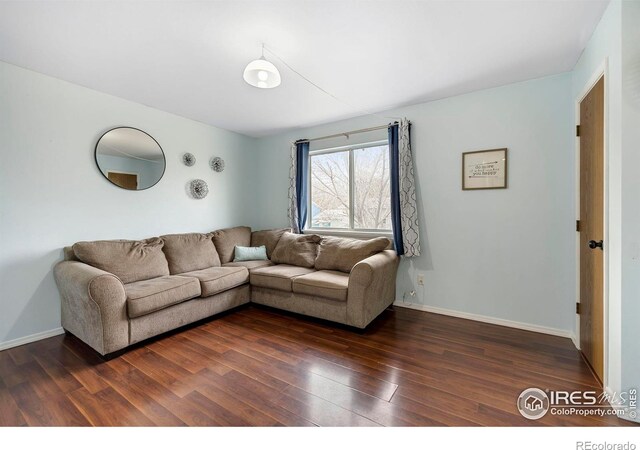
595,244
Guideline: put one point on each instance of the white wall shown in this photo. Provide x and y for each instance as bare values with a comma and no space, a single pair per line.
630,196
52,194
604,47
508,254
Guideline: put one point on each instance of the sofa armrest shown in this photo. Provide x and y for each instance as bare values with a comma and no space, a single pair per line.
372,287
93,306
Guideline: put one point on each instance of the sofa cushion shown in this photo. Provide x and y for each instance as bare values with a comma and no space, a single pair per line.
250,265
323,283
268,238
296,250
189,251
219,279
225,241
128,260
343,253
145,297
278,276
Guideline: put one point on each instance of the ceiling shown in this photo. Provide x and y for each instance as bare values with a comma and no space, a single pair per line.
187,57
129,143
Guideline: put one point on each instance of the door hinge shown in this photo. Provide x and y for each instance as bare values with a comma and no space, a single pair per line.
577,308
577,225
578,130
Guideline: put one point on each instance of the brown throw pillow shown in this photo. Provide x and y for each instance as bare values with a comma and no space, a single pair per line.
227,239
342,253
268,238
189,251
296,249
128,260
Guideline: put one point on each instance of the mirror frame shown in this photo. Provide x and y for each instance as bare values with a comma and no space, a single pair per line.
95,156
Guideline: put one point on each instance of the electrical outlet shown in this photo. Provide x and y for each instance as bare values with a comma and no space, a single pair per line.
420,280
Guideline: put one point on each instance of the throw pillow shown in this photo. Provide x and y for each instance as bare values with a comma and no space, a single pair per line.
342,253
296,249
268,238
250,253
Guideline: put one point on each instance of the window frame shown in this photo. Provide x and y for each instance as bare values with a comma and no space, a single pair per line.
351,231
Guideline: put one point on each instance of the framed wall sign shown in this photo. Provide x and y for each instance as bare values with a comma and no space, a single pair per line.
484,169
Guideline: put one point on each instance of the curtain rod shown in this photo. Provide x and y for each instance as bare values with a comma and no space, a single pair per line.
346,134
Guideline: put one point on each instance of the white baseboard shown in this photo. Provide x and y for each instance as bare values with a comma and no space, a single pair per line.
488,319
575,340
31,338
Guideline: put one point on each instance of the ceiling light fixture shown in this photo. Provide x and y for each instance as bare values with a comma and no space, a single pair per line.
261,73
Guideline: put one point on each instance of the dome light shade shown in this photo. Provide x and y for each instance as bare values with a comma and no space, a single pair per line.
262,74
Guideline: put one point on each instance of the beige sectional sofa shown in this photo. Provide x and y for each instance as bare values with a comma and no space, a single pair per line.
117,293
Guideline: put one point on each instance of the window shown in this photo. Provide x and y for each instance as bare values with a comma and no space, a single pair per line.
350,188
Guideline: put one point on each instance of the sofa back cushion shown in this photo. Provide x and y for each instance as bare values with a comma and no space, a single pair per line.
226,240
342,253
128,260
190,251
296,249
268,238
69,255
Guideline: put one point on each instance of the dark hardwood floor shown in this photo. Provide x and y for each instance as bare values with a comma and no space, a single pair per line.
261,367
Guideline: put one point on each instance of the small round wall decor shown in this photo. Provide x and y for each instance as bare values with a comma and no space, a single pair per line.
188,159
217,164
199,189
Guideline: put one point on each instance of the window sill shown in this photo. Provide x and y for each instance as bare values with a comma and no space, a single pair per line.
349,233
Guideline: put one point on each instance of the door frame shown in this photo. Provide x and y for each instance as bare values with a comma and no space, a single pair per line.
601,71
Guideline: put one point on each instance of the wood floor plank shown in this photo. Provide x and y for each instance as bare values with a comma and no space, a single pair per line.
169,352
167,373
108,408
58,373
20,355
35,411
126,386
367,384
261,367
47,391
180,408
81,369
221,415
10,374
255,348
261,397
197,352
318,410
10,414
228,401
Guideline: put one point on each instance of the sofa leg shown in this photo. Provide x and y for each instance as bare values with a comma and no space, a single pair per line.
114,355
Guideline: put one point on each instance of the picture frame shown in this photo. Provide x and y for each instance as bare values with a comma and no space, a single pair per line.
484,169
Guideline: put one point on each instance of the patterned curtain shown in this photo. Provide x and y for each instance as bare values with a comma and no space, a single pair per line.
298,185
292,211
404,209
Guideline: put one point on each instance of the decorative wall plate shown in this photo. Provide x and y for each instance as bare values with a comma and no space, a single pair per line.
217,164
199,189
188,159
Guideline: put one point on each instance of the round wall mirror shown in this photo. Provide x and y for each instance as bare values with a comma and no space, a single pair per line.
130,158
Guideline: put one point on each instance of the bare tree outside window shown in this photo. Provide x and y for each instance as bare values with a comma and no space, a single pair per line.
330,189
372,195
